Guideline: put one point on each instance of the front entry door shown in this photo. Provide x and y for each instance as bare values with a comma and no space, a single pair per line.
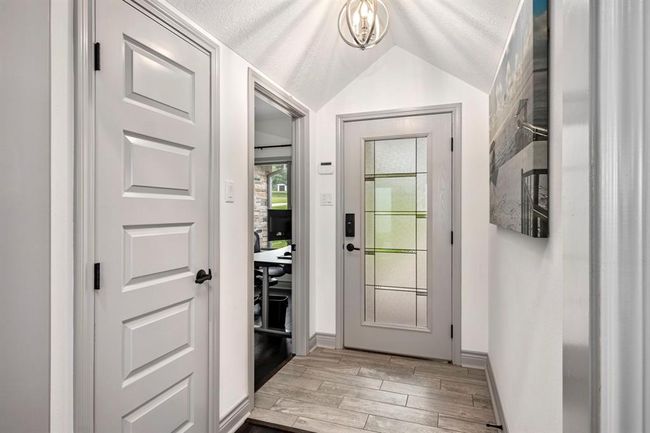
398,256
151,232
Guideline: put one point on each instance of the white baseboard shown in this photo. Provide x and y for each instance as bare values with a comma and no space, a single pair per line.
473,359
236,417
494,396
320,339
311,344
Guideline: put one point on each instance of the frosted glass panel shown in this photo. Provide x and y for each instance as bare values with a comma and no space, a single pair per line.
395,231
370,304
422,193
370,195
422,233
395,194
422,269
395,307
370,230
395,269
370,269
422,309
370,157
395,156
422,155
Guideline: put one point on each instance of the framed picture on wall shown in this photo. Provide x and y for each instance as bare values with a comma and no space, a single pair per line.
519,117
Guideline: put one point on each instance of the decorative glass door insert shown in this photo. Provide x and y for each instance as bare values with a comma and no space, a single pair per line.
396,220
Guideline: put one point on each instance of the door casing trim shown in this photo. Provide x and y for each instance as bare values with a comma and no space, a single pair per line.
84,203
456,114
257,84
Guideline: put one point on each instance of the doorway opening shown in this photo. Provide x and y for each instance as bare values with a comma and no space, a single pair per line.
273,214
278,289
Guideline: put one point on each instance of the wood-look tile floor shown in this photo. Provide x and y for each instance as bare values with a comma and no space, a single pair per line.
348,391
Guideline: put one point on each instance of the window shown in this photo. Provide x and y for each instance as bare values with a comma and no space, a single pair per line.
272,191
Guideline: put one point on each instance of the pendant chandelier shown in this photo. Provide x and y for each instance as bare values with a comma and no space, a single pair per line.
363,23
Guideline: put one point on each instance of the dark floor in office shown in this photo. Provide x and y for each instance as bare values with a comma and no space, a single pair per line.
252,426
271,353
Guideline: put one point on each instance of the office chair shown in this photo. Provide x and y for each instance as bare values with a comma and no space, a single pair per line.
274,271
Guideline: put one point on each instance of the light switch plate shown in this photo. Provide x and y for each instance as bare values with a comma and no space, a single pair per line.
326,199
228,191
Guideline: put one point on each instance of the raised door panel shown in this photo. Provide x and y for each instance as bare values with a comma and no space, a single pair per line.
156,166
156,80
170,411
155,338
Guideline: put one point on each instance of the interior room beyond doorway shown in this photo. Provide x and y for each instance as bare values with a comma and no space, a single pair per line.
272,226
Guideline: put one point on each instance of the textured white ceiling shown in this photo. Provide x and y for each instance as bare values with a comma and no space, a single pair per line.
296,42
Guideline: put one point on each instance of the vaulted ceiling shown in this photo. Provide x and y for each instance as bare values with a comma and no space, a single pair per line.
296,42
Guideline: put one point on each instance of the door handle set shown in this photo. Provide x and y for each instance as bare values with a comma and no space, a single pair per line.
202,276
350,247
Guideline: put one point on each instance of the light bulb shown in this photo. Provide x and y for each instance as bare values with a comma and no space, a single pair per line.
377,29
364,9
356,20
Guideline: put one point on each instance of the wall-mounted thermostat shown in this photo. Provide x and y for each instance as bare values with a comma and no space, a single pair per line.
325,168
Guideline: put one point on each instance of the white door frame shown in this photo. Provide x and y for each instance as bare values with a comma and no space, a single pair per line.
456,114
257,84
84,228
619,301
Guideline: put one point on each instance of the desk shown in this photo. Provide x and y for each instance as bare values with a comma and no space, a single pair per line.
264,260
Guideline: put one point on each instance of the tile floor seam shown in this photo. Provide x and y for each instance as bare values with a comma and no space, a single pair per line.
436,414
412,422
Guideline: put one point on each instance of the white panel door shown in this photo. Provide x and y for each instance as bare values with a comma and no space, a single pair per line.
152,213
397,282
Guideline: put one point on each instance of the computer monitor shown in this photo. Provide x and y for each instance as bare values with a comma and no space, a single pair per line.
279,224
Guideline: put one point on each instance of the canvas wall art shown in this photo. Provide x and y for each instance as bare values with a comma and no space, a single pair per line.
519,107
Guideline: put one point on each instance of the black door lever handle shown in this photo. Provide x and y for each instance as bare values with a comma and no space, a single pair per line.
202,276
351,247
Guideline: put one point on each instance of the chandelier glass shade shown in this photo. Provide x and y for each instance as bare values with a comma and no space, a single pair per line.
363,23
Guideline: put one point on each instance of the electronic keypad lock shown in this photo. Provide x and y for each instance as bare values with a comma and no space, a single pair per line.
349,225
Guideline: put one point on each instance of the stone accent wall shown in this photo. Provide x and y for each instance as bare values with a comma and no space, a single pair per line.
260,217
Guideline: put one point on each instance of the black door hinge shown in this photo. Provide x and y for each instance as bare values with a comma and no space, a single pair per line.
452,144
97,56
452,237
97,276
452,332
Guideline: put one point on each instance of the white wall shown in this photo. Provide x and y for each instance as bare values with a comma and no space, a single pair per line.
234,314
25,215
234,320
526,281
402,80
62,215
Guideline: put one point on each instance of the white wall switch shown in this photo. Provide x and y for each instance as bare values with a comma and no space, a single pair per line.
325,168
326,199
228,191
